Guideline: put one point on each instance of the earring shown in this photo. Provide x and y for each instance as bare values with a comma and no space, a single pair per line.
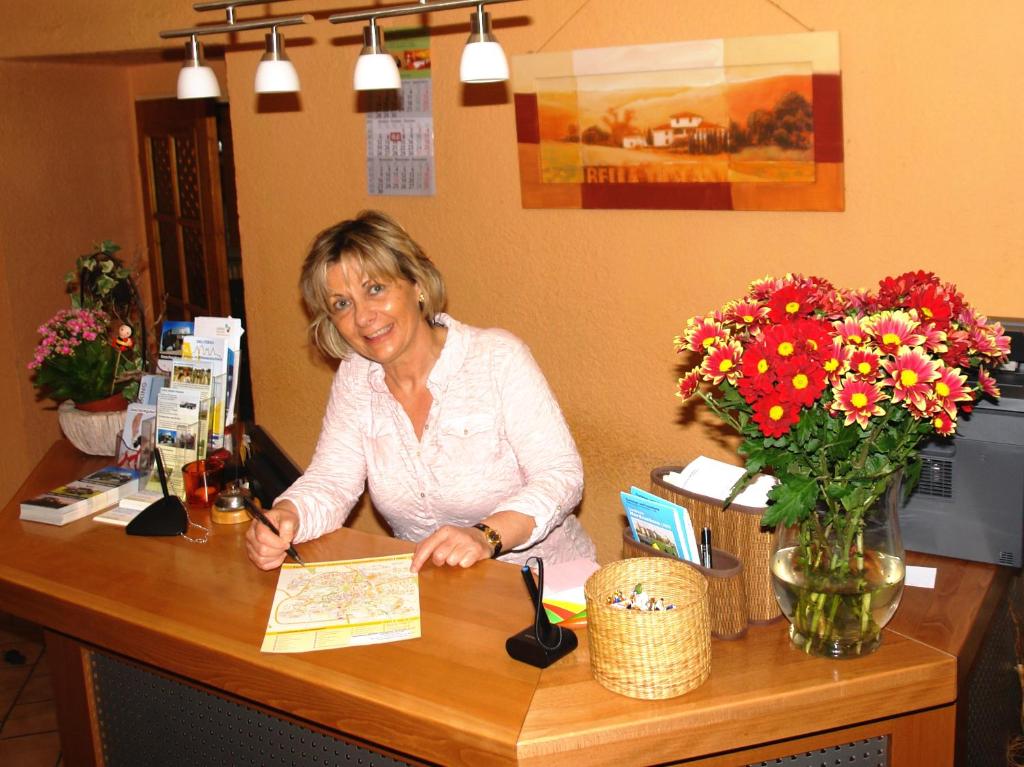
423,298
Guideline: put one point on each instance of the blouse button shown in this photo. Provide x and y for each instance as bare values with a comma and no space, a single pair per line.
465,432
423,495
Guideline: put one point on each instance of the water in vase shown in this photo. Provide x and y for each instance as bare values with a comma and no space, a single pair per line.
837,618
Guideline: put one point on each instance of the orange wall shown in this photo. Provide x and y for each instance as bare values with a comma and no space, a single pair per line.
931,117
69,180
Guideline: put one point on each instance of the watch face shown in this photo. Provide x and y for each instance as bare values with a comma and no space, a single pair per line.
493,538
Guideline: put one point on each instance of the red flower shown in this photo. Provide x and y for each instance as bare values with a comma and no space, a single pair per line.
864,364
775,416
790,302
722,362
987,383
687,385
801,381
858,400
944,425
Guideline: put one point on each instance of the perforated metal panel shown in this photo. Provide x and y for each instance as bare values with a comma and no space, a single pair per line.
873,752
146,719
993,695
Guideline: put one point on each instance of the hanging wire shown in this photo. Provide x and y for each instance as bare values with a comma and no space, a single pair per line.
572,16
778,6
585,3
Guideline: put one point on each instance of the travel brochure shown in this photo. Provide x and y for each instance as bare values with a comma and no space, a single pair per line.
82,497
660,524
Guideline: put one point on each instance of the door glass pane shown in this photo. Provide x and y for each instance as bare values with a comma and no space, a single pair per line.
163,187
195,266
188,177
169,259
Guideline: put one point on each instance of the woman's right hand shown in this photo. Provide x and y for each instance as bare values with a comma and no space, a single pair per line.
265,549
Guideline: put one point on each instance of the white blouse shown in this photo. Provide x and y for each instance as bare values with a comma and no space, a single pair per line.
494,440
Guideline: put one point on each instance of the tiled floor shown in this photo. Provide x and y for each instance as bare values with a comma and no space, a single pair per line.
28,719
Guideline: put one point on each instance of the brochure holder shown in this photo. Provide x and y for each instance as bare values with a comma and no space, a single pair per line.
727,597
736,530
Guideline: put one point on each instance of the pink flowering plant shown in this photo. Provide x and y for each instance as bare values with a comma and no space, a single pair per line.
833,391
76,360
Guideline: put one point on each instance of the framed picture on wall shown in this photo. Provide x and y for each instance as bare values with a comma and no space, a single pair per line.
749,123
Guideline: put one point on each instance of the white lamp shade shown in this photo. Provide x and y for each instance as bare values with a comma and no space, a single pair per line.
483,62
376,71
197,83
276,77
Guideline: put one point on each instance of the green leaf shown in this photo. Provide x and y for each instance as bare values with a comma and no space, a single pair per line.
794,499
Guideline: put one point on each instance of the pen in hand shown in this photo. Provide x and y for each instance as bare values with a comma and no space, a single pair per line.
257,513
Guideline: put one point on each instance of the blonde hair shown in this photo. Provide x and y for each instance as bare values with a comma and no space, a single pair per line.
376,244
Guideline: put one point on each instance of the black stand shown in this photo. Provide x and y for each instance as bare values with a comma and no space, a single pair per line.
541,644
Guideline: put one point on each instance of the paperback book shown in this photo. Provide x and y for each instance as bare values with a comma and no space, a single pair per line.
82,497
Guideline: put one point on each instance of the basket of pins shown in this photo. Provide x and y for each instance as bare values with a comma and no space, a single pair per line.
648,627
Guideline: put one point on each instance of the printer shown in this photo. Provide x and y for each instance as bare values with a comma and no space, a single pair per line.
969,502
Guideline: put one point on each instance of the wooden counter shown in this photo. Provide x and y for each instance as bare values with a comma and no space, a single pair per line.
453,696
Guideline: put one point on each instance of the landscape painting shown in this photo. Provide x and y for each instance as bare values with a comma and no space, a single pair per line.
755,125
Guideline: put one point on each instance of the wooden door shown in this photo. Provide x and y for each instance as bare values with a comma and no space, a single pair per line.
184,213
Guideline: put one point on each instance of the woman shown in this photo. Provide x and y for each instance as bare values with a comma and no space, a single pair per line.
453,429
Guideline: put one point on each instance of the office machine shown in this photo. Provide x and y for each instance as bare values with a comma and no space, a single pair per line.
969,502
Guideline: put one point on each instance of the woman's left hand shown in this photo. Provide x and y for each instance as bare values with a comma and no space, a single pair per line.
452,546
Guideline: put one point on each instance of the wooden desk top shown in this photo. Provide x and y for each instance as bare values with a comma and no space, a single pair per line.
452,696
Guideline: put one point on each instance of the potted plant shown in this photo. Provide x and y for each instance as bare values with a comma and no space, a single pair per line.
833,391
87,358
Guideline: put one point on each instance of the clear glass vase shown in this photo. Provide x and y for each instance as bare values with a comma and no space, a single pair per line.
839,578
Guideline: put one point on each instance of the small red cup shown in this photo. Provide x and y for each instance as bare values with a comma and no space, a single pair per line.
203,482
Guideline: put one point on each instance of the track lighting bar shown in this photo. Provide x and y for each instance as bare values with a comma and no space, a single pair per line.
238,26
409,10
483,61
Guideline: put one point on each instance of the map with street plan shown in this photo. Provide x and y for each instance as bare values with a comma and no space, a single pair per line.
327,605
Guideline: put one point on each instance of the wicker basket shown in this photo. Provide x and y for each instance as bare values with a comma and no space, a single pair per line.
727,596
92,433
649,655
736,530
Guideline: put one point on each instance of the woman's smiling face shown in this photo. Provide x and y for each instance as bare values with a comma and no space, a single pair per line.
378,318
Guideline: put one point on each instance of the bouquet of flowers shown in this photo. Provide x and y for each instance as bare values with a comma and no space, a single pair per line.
77,360
87,353
833,391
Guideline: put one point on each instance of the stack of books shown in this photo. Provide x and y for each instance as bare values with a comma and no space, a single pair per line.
82,497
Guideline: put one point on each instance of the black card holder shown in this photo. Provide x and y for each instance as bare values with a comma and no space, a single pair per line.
165,516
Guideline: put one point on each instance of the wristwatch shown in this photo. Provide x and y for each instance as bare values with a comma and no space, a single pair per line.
493,538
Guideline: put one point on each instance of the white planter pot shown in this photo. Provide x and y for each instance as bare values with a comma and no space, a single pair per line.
92,433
